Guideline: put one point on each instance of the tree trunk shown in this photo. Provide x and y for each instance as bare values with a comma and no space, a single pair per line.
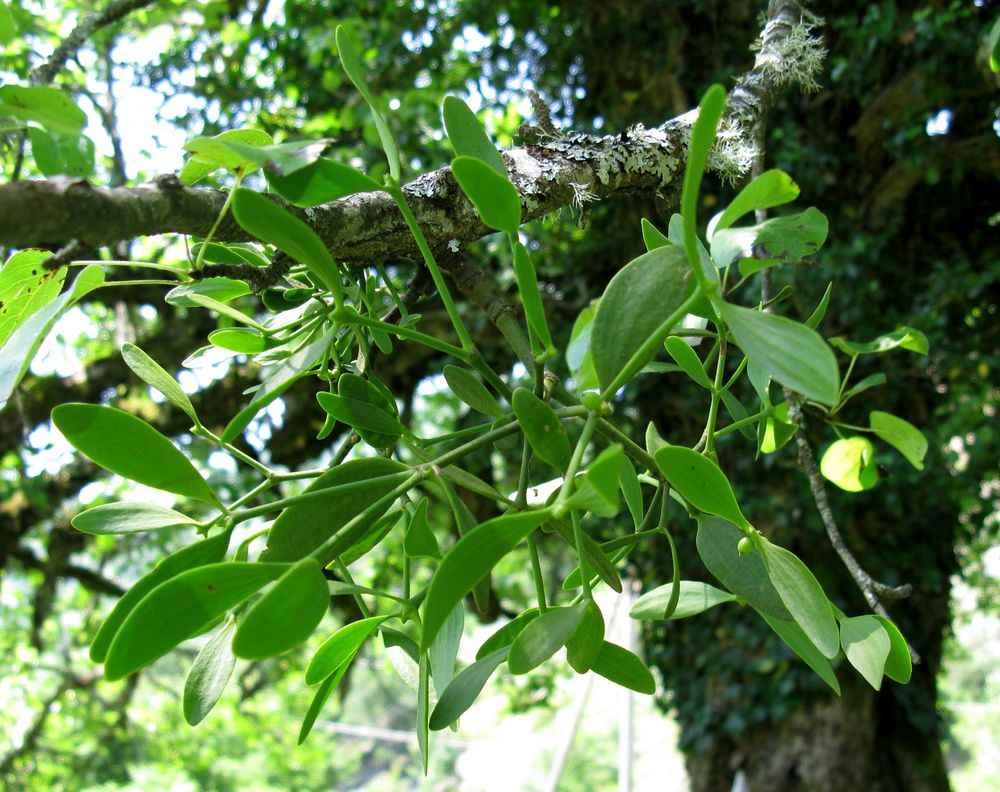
861,741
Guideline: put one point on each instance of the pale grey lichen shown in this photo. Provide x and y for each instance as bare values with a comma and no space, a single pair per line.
454,246
794,58
581,195
733,153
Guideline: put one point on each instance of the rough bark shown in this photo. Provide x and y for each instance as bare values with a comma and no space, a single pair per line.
550,174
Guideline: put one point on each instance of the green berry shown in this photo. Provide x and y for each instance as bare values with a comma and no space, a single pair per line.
592,401
745,546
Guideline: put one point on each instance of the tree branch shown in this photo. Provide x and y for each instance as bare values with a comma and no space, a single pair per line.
367,228
46,72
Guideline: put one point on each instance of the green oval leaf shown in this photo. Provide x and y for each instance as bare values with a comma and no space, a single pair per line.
586,643
322,181
348,490
899,664
802,595
219,289
850,464
543,637
901,435
8,28
702,137
578,355
905,337
444,650
791,353
47,106
495,198
339,648
505,636
463,690
796,640
181,608
470,560
467,135
363,417
652,236
127,517
597,490
617,664
208,551
123,444
209,674
542,428
319,699
244,340
286,615
466,386
57,154
745,576
685,357
867,645
419,539
771,188
356,74
208,154
527,287
695,597
701,482
267,221
636,302
154,375
628,480
279,378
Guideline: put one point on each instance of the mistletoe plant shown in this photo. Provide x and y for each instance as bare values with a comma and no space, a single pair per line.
378,487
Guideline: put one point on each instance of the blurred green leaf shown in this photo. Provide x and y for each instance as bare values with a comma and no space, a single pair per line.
356,74
47,106
850,464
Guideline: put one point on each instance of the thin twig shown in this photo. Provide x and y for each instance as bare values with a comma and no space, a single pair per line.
46,72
